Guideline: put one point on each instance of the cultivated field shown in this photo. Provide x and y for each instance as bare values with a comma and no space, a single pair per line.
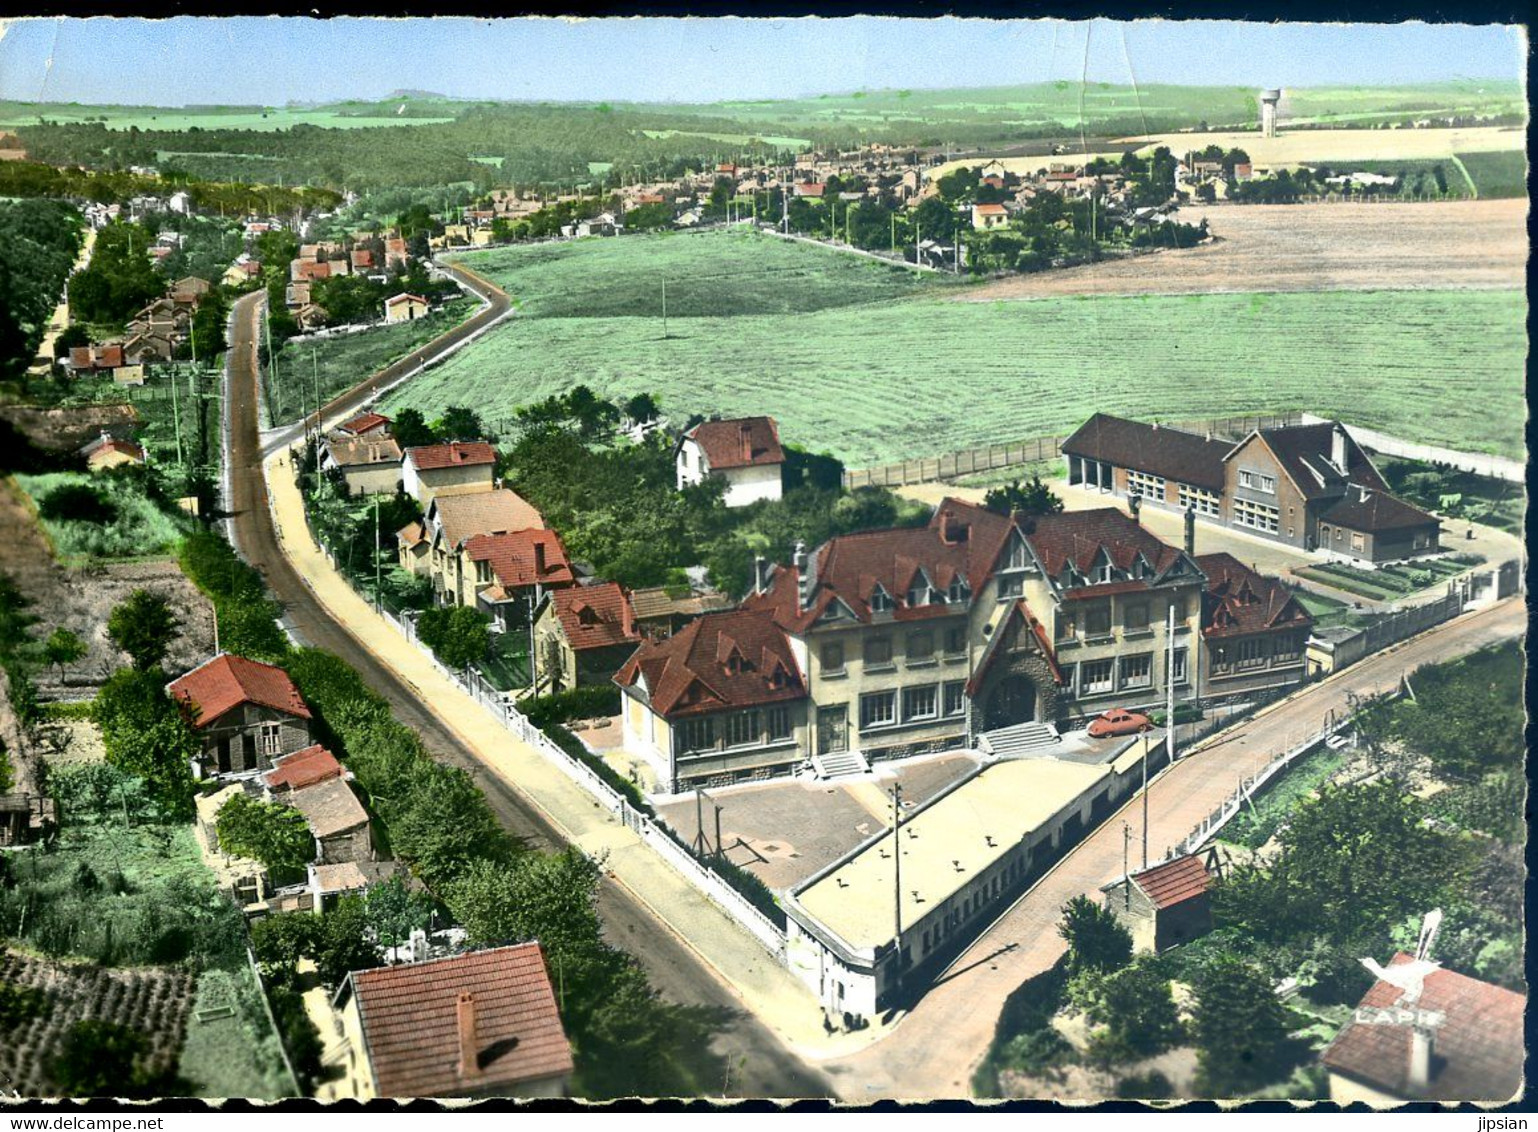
14,114
1332,147
883,381
1311,247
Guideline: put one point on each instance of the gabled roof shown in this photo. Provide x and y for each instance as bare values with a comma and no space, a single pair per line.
995,647
1477,1050
1238,600
404,297
1155,449
302,768
106,443
411,1018
528,557
361,451
328,806
455,454
367,421
740,443
596,617
1080,539
656,601
1174,882
734,659
227,681
472,513
1372,510
988,209
1304,454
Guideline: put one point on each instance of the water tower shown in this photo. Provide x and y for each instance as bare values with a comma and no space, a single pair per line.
1268,101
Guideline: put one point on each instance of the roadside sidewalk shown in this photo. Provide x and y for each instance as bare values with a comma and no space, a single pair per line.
765,988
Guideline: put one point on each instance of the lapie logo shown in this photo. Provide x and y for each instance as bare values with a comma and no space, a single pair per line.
1398,1016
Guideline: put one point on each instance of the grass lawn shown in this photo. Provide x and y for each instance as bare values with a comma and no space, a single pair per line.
1253,827
1497,174
139,529
337,364
508,666
876,381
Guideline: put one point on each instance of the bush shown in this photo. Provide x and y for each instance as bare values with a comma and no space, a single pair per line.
586,702
79,503
247,617
574,747
274,834
1036,1050
458,635
1150,1086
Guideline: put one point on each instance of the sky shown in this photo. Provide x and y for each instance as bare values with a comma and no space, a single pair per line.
271,61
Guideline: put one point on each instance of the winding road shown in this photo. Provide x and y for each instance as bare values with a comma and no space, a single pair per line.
759,1065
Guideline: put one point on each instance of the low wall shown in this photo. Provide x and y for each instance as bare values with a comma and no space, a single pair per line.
1496,467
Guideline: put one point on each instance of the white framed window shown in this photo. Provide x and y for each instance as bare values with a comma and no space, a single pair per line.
269,740
920,592
1011,586
955,697
1257,481
1141,483
1097,676
958,592
1256,515
1285,646
1103,572
699,734
742,728
1137,671
880,600
1199,499
1252,652
1018,556
878,709
922,702
1358,542
1178,672
779,723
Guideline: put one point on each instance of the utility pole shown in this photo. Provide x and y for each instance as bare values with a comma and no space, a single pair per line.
664,308
1169,672
272,359
894,233
897,879
176,423
315,372
378,564
1126,876
1145,797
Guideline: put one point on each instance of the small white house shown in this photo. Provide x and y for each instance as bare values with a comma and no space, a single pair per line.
405,307
744,452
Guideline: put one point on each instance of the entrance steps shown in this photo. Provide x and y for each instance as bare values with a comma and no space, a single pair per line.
1021,740
837,764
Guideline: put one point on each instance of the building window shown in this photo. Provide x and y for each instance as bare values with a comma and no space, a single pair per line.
959,591
1135,616
1067,626
1178,604
1104,572
1422,540
1178,668
1018,559
1285,646
1141,483
1137,671
832,658
1070,678
877,709
1096,676
1256,515
1011,586
742,729
1257,481
1097,620
880,600
1252,653
1358,542
878,651
918,593
779,723
699,734
921,703
1202,501
920,647
955,697
956,640
270,740
1220,660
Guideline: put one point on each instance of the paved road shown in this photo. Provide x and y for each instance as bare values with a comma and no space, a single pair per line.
761,1066
934,1051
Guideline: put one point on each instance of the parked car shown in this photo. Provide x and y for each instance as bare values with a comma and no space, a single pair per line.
1118,721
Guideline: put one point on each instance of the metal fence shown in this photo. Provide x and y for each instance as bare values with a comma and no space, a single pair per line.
1037,450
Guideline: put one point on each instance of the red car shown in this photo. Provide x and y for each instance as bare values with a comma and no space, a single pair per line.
1118,721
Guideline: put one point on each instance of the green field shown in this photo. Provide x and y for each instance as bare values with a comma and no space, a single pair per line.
1362,105
874,380
139,529
337,364
14,114
1498,174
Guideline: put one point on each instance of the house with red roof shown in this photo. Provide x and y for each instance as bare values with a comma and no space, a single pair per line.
482,1024
405,307
1426,1033
745,452
1163,905
366,423
248,714
445,469
986,217
583,635
1254,630
303,768
108,451
507,574
723,700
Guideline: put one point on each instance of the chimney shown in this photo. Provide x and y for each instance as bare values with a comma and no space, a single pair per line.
1338,447
758,573
1191,531
469,1062
1421,1043
626,614
747,443
798,560
539,558
952,533
1135,505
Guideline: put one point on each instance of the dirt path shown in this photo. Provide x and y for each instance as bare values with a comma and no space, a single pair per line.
1480,245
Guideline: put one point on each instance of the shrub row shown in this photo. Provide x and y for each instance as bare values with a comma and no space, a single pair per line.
248,618
586,702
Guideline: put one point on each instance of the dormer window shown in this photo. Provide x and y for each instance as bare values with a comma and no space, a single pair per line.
919,593
959,591
1018,558
1103,572
880,600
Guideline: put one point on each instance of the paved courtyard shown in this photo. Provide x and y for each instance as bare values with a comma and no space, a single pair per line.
784,831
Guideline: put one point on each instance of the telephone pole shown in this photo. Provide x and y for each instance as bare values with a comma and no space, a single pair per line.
664,308
1145,797
1126,875
897,882
378,564
1169,674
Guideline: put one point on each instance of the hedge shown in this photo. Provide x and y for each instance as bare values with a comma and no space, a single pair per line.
586,702
247,617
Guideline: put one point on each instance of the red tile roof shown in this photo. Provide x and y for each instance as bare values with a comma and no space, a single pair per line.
741,443
329,807
596,617
988,209
1174,882
456,454
364,422
405,297
303,768
523,558
1477,1050
734,659
810,188
1239,601
227,681
362,257
1078,537
1155,449
411,1023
